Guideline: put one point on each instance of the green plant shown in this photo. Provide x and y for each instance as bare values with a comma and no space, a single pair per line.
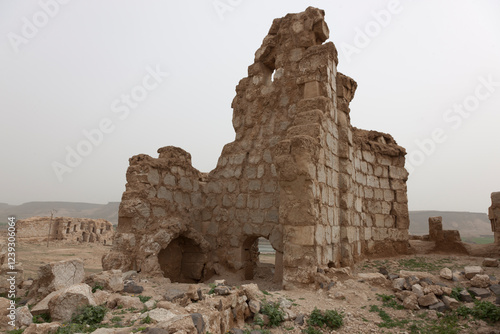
140,329
116,319
311,330
389,301
41,318
96,287
74,328
212,288
266,293
274,312
144,298
257,319
387,321
446,324
485,310
330,318
455,293
15,331
89,315
146,320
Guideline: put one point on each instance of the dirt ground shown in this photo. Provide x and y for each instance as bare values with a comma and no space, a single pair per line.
32,255
351,296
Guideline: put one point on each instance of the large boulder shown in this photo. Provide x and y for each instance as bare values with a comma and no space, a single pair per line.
57,275
64,304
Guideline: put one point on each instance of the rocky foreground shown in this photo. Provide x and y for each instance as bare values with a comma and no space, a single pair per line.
63,300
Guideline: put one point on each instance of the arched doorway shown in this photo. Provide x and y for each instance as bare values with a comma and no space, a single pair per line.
183,261
261,260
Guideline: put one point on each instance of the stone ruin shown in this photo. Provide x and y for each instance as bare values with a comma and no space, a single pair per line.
325,194
494,215
65,229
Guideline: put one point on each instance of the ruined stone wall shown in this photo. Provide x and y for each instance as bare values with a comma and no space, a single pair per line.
298,174
65,228
494,215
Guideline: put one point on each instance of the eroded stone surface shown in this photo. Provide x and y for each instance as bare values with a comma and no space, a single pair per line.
298,174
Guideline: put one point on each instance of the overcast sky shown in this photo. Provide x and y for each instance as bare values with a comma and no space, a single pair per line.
149,74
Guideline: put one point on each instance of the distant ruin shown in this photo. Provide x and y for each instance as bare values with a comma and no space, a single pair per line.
65,229
325,194
494,215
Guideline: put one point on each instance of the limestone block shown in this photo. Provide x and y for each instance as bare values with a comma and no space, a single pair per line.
471,271
299,235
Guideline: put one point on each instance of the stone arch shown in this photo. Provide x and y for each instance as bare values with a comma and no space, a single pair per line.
183,260
250,257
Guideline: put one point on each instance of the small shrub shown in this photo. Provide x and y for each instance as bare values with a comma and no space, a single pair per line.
146,320
74,328
389,301
116,319
89,315
455,293
144,298
485,310
15,331
257,319
330,318
41,318
212,288
96,287
311,330
274,312
139,329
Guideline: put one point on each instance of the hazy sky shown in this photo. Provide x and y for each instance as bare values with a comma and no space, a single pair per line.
149,74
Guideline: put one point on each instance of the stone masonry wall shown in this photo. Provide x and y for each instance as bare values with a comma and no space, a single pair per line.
494,215
65,228
298,174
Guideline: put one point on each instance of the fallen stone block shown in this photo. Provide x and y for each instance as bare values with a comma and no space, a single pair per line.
427,300
451,303
411,302
495,288
471,271
439,306
158,315
480,281
480,292
398,284
466,297
111,280
489,262
446,273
